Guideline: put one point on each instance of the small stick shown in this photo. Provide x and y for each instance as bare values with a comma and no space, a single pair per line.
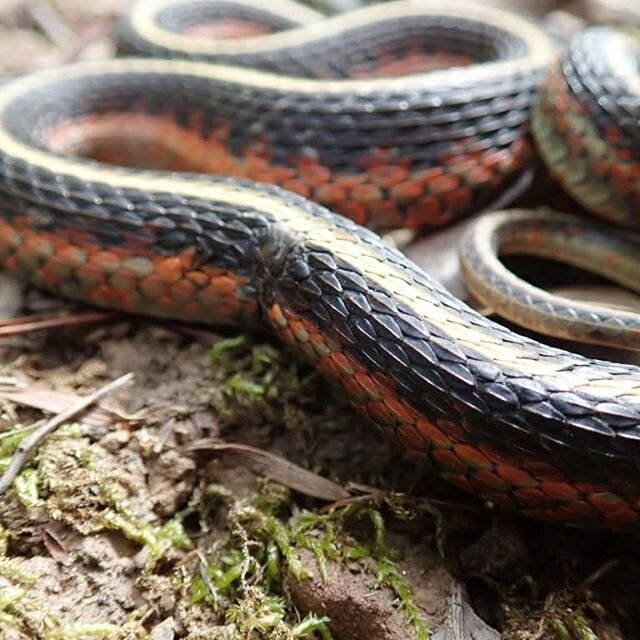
22,453
29,324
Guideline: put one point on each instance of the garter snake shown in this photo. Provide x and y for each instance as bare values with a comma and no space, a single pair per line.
526,426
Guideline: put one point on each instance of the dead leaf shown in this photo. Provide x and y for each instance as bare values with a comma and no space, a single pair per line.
57,401
279,469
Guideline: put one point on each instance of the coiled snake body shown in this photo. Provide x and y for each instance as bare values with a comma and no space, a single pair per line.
526,426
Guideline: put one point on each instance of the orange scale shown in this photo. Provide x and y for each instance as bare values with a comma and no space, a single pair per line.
229,306
442,218
613,135
182,291
299,330
408,190
520,147
225,285
383,414
425,209
493,159
388,176
315,174
276,316
51,276
71,255
320,345
458,199
562,491
255,161
473,457
57,266
352,387
606,501
28,257
169,269
479,175
369,386
401,410
516,477
542,470
443,184
431,433
130,302
382,210
152,286
410,436
105,260
327,365
530,496
347,181
345,364
578,509
385,213
191,309
354,210
80,239
453,429
489,480
211,296
297,186
416,453
88,273
330,193
366,193
105,295
427,175
198,278
308,351
280,174
448,459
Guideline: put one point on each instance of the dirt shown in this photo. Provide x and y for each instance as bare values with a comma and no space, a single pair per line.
121,528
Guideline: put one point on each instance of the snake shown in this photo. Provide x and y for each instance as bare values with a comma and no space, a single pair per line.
401,114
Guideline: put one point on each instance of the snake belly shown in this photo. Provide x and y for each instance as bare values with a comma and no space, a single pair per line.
526,426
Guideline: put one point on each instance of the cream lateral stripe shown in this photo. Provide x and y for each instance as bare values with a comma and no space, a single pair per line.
287,9
245,77
481,341
484,231
143,20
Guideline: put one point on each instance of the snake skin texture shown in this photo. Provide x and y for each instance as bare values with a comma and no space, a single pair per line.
526,426
586,123
565,239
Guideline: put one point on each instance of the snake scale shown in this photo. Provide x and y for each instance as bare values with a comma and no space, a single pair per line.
403,114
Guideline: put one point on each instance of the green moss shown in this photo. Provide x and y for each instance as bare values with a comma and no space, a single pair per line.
158,539
26,486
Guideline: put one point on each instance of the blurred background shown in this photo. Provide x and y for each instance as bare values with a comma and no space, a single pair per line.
40,33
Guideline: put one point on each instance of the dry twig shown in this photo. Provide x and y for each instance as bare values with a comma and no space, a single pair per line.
22,453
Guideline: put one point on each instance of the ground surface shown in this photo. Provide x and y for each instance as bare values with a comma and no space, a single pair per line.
181,508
